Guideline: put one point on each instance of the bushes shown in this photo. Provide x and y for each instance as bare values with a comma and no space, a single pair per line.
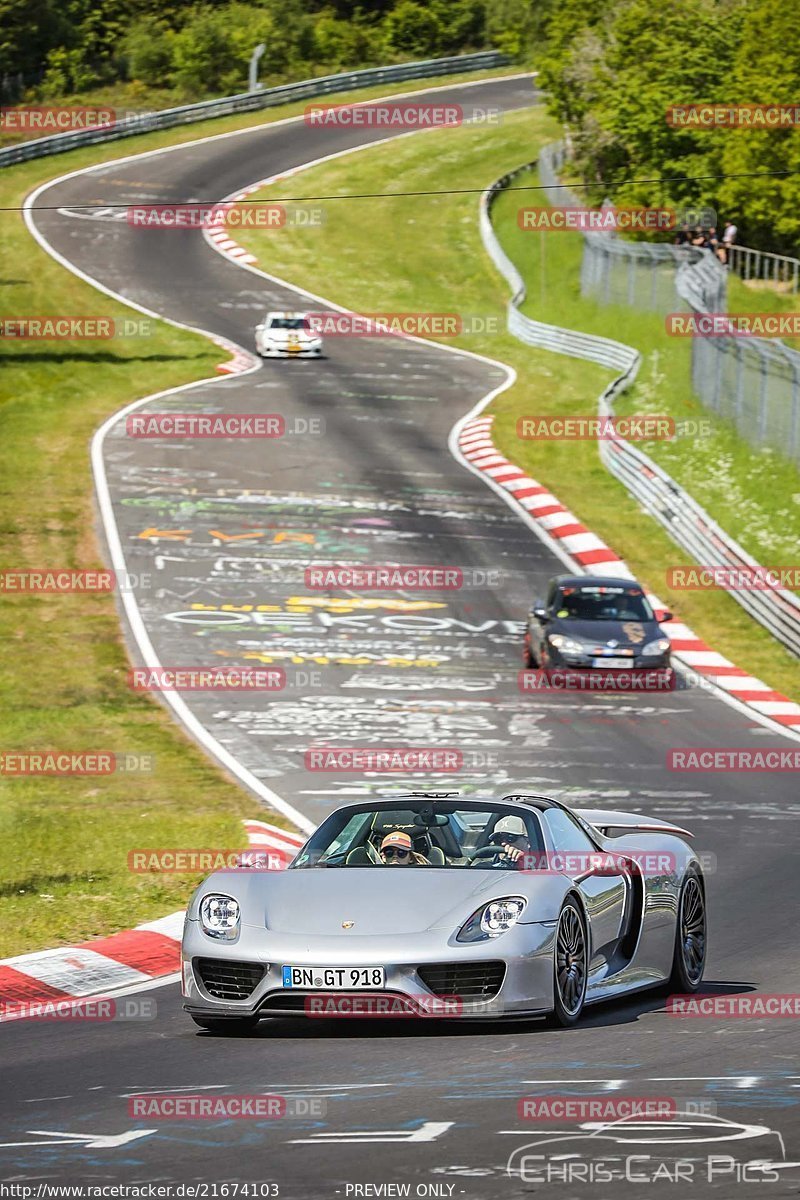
204,49
611,70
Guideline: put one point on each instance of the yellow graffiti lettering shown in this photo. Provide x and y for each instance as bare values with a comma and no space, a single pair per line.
288,536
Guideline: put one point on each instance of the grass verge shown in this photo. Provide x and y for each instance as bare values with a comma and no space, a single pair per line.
417,253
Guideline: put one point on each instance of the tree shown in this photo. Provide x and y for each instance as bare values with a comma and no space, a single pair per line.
766,71
412,31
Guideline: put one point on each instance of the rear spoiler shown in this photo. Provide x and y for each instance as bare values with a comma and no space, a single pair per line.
604,821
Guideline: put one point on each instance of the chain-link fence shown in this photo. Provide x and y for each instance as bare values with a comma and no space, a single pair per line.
753,382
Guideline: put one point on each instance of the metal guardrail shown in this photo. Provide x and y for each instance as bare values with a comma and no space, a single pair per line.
59,143
687,523
762,265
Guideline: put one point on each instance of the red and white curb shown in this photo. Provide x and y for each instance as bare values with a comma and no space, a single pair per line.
123,960
240,360
222,240
590,554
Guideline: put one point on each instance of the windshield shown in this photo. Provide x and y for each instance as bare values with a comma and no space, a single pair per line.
602,604
451,834
288,323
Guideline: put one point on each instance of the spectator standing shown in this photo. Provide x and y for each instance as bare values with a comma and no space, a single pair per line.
729,235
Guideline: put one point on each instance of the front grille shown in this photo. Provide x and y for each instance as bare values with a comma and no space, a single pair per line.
228,980
474,980
290,1001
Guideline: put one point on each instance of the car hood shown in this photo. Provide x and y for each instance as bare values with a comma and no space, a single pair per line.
625,633
379,900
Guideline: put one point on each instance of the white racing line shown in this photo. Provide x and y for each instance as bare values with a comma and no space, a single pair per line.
136,623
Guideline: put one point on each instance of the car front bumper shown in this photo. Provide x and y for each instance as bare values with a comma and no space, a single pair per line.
285,352
586,662
526,952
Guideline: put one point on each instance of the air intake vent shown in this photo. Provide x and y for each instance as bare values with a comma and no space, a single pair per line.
474,980
228,980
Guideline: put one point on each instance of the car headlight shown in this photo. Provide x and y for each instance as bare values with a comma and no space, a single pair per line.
567,644
219,916
494,918
659,646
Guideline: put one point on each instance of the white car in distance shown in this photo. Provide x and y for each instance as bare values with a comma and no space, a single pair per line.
287,335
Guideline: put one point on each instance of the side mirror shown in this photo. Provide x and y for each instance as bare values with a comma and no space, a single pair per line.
665,616
540,613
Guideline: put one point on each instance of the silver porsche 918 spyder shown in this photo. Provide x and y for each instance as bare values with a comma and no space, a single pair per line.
430,905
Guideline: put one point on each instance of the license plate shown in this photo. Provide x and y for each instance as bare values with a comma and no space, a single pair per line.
612,662
334,979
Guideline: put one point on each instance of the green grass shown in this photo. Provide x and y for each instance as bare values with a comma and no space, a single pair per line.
417,253
64,842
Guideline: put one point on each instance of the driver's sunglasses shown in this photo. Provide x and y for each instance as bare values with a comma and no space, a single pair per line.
395,852
513,838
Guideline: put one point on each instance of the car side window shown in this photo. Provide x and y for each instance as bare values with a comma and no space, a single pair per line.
567,835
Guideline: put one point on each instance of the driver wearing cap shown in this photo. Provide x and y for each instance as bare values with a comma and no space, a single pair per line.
511,838
397,851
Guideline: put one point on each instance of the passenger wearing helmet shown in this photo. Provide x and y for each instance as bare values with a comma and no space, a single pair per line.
513,844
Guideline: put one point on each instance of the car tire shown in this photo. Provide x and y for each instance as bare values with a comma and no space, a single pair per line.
570,965
527,653
691,936
234,1026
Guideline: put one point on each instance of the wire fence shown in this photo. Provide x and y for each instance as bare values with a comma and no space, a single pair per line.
306,89
753,382
686,521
